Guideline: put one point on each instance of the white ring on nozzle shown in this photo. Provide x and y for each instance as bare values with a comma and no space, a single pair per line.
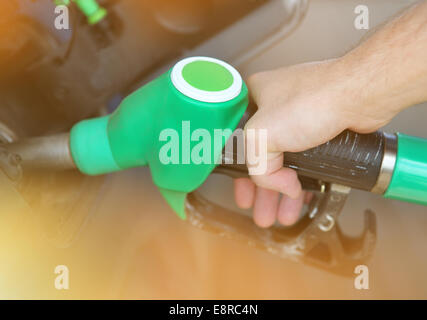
201,95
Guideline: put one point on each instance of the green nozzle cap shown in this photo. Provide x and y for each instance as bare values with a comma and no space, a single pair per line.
194,73
206,79
172,118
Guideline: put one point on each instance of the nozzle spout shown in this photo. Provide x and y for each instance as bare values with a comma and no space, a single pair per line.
49,152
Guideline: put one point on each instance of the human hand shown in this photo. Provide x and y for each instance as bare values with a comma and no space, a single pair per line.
301,107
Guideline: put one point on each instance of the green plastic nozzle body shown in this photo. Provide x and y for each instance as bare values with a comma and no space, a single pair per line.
138,132
409,180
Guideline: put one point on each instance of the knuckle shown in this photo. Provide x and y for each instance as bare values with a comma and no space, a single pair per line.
260,181
253,78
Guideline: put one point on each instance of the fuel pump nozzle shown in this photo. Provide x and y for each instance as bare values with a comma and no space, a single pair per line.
200,96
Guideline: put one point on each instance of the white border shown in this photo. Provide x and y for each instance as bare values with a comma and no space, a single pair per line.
201,95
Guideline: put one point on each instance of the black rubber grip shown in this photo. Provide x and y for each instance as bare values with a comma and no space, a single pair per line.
349,159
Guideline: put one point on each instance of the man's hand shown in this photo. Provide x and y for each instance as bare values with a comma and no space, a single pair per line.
306,105
301,107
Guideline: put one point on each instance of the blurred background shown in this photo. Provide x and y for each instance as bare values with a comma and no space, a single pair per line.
115,233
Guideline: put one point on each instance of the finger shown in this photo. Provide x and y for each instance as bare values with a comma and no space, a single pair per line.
308,197
265,207
254,83
276,177
284,181
289,209
244,192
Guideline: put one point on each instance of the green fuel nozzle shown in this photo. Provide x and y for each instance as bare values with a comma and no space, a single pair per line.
167,124
178,125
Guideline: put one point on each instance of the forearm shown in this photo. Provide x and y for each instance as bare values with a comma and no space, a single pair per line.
388,72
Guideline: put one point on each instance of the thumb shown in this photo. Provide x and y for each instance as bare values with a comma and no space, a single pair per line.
278,178
266,168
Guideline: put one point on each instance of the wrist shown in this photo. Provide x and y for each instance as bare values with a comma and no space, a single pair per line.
367,98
